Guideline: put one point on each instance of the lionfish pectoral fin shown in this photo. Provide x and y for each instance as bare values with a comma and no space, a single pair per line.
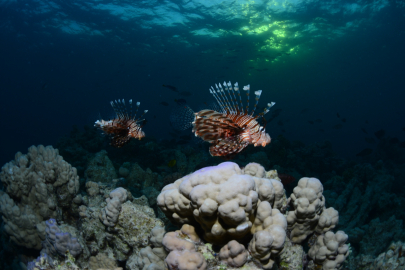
226,147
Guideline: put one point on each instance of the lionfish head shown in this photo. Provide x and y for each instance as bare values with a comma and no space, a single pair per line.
138,134
263,140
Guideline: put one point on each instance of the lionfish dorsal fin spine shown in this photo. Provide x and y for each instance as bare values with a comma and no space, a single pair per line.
269,105
219,93
218,96
236,87
257,94
144,112
247,89
120,109
212,91
124,106
124,109
224,96
136,112
116,108
228,88
234,97
130,105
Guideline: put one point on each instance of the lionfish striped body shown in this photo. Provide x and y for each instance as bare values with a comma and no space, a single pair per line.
125,126
232,128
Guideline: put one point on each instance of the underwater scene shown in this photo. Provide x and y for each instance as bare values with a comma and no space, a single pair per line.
202,134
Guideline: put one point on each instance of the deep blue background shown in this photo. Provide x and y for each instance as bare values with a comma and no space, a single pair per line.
51,80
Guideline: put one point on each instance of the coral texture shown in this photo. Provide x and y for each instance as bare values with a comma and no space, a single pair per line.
109,215
38,186
60,242
221,199
122,236
308,213
330,250
102,261
234,254
150,257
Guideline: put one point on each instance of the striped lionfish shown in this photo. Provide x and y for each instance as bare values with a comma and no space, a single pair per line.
229,127
125,126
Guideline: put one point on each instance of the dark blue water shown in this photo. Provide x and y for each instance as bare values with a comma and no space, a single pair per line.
61,64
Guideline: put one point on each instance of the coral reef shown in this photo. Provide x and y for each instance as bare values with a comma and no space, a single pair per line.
117,227
235,215
39,185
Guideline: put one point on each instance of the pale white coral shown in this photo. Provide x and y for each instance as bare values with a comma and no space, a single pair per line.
185,260
327,221
233,254
92,188
221,199
110,213
182,250
330,250
156,236
254,169
150,258
172,241
270,236
307,204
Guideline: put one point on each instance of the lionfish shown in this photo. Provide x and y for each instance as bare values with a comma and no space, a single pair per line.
125,126
229,127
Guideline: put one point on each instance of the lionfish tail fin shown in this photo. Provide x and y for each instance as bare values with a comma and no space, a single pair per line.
182,118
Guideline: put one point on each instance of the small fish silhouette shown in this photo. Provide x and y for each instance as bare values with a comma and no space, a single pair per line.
173,88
